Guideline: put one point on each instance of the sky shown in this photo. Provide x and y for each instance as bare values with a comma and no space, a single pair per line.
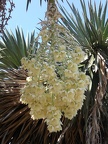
29,20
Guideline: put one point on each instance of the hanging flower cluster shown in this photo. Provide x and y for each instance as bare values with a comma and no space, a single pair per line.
55,84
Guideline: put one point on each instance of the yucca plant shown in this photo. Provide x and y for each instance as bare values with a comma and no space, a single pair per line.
89,126
91,32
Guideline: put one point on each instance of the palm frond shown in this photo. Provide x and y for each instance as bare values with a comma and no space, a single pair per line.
13,48
90,30
29,1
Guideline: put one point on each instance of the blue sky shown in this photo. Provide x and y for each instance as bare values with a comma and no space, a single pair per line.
28,20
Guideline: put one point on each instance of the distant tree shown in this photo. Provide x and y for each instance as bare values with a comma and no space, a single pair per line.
5,13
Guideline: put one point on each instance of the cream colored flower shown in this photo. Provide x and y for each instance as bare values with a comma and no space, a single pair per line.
59,56
57,87
28,79
52,128
65,100
82,84
53,119
79,91
71,95
62,48
70,112
78,49
84,77
68,73
68,85
24,62
79,98
72,66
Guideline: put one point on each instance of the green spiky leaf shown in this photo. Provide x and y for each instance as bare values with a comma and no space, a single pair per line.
13,47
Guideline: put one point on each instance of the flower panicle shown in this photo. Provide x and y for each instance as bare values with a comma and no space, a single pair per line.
55,84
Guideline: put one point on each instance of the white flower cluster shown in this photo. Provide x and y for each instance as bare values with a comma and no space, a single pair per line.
53,89
55,85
